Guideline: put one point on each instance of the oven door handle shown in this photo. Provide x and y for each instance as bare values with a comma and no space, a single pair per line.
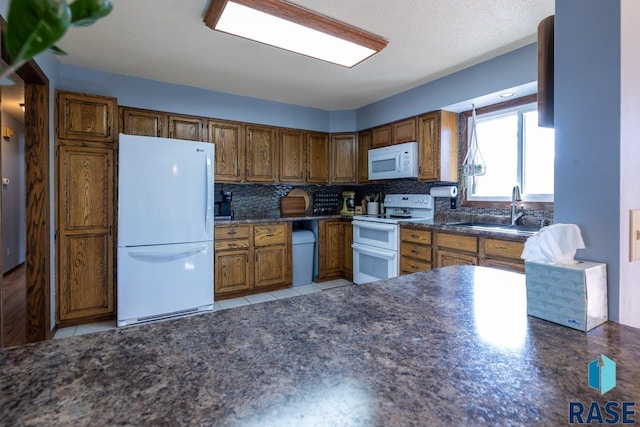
374,225
375,251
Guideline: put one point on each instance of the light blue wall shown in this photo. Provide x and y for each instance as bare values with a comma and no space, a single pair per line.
511,69
13,195
587,126
155,95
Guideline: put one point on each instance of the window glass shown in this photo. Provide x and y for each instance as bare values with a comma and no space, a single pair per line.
516,152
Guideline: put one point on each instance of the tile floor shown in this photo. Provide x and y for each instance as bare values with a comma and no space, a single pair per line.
219,305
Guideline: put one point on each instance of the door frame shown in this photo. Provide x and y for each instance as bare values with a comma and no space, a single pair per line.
38,206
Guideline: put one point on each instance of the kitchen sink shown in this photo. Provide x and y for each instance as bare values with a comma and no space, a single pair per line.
503,228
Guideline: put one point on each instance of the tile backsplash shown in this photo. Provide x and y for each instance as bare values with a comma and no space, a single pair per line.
252,200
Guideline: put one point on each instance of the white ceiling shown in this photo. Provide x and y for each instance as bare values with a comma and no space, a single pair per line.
166,40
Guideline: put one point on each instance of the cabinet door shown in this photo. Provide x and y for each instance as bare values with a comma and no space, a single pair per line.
292,155
86,117
347,251
261,154
404,131
233,271
428,147
381,136
145,123
317,158
344,161
85,221
229,146
330,248
438,146
271,266
189,128
445,258
364,143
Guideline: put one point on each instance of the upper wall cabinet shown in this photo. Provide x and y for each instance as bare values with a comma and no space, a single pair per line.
86,117
292,155
144,123
364,144
317,158
381,136
261,149
184,127
228,138
403,131
438,146
344,159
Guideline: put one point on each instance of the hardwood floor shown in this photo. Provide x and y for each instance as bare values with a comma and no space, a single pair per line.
14,309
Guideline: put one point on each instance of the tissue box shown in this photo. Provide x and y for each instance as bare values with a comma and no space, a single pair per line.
571,295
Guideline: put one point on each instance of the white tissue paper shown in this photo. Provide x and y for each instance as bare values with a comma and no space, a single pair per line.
555,244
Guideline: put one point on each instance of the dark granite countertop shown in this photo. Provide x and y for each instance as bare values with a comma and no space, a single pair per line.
249,219
451,346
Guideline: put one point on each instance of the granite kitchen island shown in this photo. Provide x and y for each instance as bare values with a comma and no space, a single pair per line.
451,346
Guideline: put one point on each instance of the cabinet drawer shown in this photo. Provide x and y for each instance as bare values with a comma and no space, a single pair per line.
270,234
458,241
411,265
421,252
504,265
503,248
415,236
223,245
232,232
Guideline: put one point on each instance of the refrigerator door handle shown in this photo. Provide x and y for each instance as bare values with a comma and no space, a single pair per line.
165,255
209,197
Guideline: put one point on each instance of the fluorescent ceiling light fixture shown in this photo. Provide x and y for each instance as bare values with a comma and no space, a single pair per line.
286,26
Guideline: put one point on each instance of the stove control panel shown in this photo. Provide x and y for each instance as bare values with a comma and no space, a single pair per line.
422,201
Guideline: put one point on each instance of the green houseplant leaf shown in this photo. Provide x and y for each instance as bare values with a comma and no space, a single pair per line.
33,26
86,12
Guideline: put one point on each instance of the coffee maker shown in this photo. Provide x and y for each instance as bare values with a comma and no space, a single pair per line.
222,207
348,203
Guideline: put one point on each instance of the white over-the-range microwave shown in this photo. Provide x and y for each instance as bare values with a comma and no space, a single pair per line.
395,161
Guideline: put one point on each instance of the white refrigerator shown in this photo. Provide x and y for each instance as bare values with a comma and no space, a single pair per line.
165,228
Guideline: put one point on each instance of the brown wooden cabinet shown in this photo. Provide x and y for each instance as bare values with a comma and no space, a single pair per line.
466,249
344,159
503,254
261,154
233,259
415,250
143,122
228,138
438,146
404,131
381,136
85,206
252,258
185,127
330,249
292,155
455,249
347,250
364,144
317,158
86,118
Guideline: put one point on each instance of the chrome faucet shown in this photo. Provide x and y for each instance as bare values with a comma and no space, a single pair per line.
515,197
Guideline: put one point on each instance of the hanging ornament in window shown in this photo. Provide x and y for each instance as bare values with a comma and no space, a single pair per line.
473,164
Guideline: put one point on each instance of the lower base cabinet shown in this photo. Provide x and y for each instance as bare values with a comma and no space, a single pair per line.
335,255
415,250
465,249
251,258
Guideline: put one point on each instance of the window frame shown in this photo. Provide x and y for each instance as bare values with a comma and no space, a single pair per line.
464,145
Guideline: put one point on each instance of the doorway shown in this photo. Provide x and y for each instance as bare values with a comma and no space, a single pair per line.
13,218
37,159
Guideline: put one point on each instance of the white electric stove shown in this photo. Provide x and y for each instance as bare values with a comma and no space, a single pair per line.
376,238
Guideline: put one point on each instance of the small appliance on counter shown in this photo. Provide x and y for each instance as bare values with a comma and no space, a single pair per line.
348,203
222,206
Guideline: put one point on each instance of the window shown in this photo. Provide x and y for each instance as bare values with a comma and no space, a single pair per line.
516,152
